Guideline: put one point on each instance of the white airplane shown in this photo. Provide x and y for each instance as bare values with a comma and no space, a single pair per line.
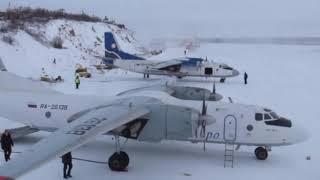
146,114
180,67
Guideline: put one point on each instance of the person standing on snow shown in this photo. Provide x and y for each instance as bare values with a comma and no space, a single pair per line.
6,144
67,165
245,78
77,81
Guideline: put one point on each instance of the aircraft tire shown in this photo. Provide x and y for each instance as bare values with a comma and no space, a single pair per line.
118,161
125,158
179,77
261,153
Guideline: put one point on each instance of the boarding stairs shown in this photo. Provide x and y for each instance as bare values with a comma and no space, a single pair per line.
229,154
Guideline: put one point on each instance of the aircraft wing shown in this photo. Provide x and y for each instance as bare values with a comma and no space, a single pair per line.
164,64
94,122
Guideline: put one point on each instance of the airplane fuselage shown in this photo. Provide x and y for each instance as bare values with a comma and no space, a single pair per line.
228,122
197,69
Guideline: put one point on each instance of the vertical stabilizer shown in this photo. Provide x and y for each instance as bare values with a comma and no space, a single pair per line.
113,51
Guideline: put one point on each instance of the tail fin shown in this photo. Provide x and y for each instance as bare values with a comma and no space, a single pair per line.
112,49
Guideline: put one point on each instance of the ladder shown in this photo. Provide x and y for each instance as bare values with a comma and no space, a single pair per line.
228,154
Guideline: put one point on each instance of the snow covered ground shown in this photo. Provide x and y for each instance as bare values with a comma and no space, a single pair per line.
83,43
283,78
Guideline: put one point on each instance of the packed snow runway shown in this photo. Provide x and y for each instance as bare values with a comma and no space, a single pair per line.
283,78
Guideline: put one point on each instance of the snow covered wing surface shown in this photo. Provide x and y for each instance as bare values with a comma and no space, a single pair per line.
95,122
12,82
165,64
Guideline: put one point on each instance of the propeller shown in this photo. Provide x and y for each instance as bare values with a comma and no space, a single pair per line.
230,100
204,107
214,88
203,122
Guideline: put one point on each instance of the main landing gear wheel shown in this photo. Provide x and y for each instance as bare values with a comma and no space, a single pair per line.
118,161
222,80
261,153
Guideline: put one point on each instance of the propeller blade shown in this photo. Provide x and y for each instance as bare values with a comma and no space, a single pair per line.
204,107
214,88
230,100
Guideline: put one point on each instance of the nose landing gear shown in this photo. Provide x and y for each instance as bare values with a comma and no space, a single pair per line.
119,160
261,153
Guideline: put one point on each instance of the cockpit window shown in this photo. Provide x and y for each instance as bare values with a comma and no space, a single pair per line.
267,117
258,117
274,115
280,122
224,66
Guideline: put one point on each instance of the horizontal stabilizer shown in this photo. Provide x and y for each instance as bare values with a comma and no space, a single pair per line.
11,82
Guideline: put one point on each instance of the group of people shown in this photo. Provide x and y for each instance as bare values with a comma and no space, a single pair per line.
7,144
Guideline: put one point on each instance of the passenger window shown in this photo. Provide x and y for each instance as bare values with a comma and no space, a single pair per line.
258,117
267,116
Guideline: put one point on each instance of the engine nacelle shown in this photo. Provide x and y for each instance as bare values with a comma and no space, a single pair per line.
194,93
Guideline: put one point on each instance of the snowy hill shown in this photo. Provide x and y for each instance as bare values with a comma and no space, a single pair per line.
83,43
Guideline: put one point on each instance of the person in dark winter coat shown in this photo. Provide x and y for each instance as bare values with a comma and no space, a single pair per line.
67,165
245,78
6,144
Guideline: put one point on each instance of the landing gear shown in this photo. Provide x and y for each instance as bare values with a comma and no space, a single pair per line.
179,77
119,160
222,80
145,76
261,153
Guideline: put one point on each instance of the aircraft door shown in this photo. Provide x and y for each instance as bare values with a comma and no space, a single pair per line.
230,128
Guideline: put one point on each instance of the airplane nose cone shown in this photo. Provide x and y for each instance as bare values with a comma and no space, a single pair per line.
235,72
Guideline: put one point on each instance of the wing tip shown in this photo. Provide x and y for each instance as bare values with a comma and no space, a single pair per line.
5,178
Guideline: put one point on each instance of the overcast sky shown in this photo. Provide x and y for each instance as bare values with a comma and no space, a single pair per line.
171,18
